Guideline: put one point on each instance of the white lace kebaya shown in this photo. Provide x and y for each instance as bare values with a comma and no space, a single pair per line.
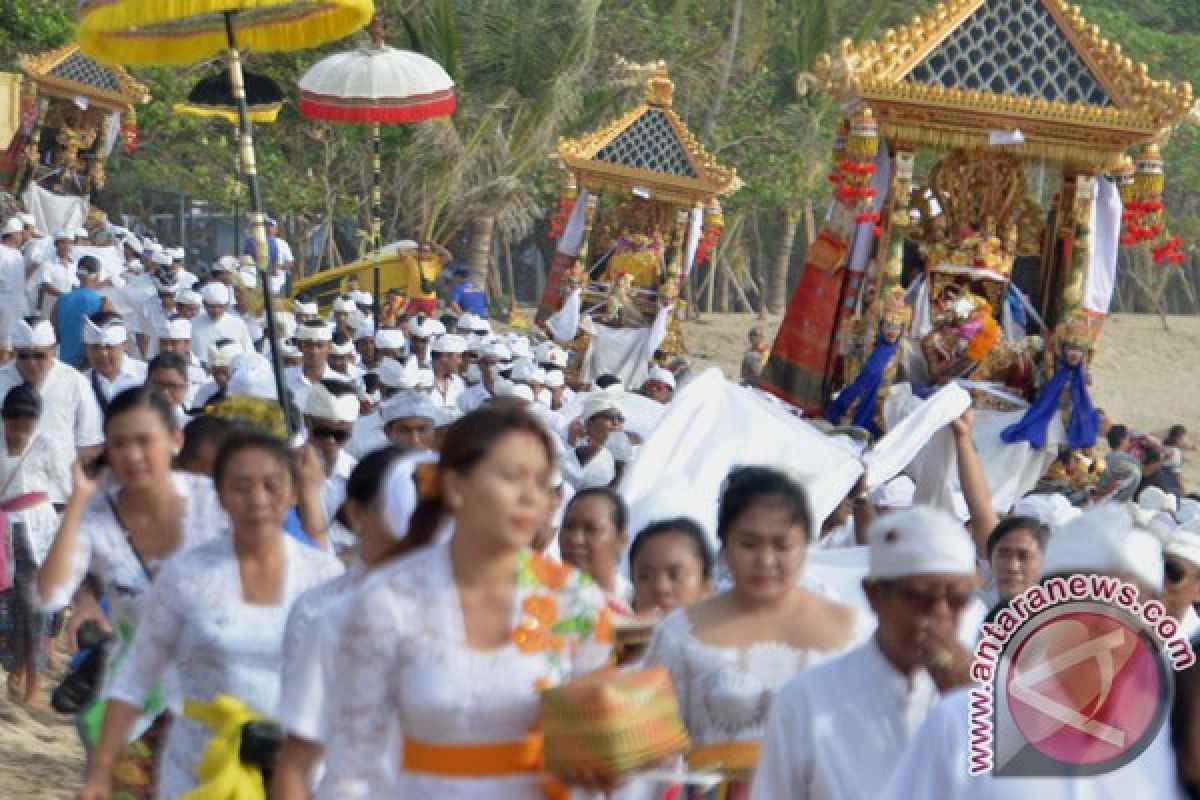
196,620
404,658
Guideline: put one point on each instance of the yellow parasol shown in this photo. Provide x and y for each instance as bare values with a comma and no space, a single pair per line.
180,32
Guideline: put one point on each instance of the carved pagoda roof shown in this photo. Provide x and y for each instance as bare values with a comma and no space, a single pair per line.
972,66
649,148
68,73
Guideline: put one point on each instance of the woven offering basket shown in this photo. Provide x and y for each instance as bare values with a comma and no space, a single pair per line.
611,723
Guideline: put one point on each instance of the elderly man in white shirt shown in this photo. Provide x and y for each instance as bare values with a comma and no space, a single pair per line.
175,336
71,418
1105,541
217,323
837,730
410,420
110,371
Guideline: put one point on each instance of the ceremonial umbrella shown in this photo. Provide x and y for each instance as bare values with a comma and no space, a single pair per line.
376,84
134,32
213,97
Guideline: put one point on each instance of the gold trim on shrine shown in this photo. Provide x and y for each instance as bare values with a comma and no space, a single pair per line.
38,69
877,73
711,178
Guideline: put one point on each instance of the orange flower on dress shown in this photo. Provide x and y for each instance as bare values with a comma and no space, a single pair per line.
548,573
531,637
604,627
541,607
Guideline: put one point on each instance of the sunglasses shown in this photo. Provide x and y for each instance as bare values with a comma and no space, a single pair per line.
339,435
1174,572
926,601
31,355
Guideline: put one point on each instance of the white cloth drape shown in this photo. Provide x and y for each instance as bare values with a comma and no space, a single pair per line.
624,352
695,231
908,437
572,236
54,211
713,425
1106,238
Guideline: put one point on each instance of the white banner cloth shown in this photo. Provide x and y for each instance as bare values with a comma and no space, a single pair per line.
1106,238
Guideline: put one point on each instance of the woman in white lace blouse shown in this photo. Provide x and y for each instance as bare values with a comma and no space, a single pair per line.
119,530
452,642
729,654
216,613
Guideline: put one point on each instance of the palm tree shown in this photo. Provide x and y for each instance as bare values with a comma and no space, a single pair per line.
521,78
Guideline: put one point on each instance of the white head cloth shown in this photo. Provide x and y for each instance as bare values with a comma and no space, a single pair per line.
112,334
314,332
1185,545
324,404
1105,540
177,328
251,376
223,355
919,541
390,339
407,405
40,334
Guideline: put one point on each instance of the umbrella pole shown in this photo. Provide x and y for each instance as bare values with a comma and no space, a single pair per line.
376,213
257,221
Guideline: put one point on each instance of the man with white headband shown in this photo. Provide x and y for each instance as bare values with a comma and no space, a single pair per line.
75,306
55,275
410,420
448,385
175,336
217,323
330,411
342,356
304,310
837,730
13,274
175,268
155,310
368,433
659,385
390,343
220,358
493,358
315,339
110,371
70,415
421,331
1105,540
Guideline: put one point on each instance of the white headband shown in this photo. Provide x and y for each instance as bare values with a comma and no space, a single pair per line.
111,335
39,335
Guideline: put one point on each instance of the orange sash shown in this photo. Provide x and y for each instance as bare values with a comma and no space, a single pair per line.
725,756
493,760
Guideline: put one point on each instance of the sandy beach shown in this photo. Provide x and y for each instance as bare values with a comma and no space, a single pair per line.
1143,376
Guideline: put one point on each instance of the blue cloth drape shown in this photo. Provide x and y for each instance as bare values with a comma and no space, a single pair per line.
1084,424
864,389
